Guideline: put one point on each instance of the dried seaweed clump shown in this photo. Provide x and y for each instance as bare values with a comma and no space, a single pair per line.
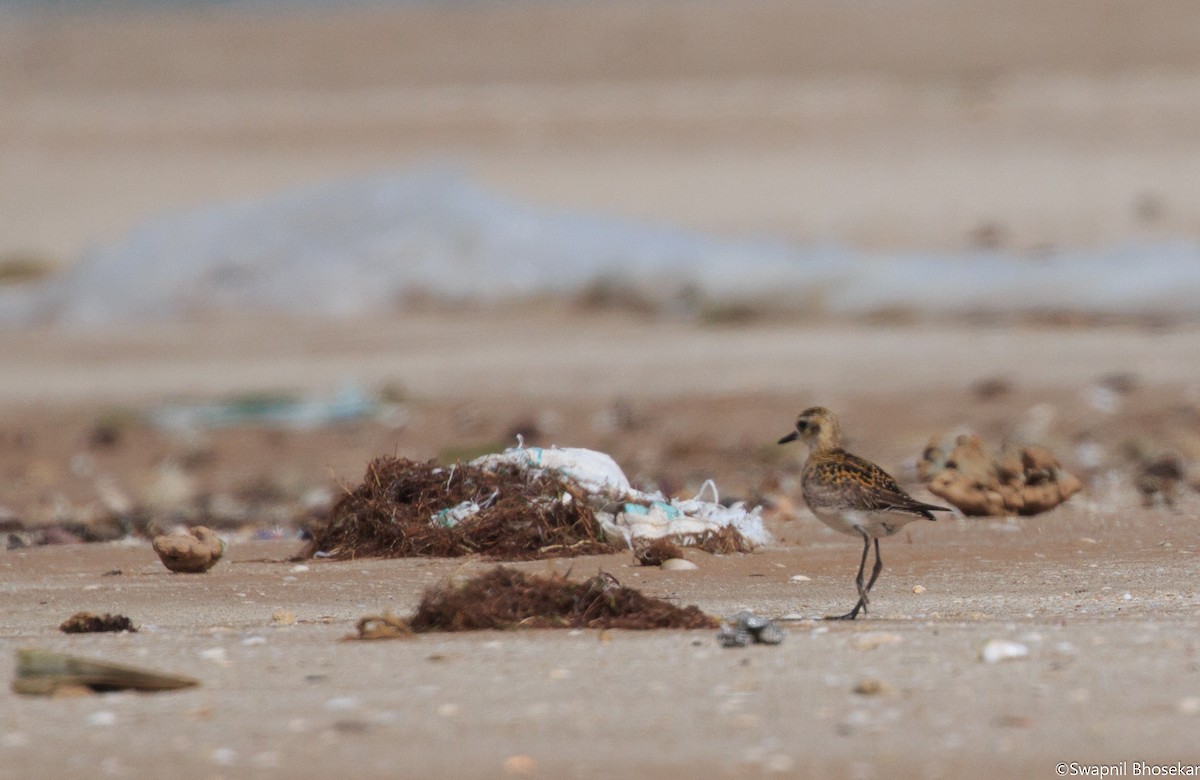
1024,482
723,541
506,598
406,508
88,623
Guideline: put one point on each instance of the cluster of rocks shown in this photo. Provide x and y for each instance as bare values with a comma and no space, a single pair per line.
1015,481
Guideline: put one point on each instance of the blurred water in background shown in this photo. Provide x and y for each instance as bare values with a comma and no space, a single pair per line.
376,243
1000,148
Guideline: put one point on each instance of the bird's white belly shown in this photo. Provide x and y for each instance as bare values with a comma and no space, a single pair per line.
858,522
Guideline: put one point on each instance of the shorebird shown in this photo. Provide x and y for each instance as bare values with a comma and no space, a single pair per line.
851,494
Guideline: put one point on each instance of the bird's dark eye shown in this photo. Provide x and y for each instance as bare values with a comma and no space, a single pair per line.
802,425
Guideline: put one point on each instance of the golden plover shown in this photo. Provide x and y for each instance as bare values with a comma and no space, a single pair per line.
850,494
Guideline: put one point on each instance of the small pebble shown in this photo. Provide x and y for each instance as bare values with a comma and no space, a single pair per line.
299,567
728,636
1002,649
799,578
283,617
918,589
771,634
678,564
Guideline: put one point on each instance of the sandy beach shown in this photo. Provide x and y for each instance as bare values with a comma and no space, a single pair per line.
893,126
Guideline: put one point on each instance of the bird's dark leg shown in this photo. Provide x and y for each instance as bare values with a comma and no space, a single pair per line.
862,592
878,567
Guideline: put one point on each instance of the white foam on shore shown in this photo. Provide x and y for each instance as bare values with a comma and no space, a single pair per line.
369,244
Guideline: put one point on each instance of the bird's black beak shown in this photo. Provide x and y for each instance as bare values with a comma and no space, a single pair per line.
790,437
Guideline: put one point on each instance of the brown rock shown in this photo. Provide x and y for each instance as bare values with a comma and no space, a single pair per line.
1026,483
193,552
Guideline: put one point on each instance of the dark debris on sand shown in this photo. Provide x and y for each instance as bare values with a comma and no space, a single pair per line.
506,598
87,623
405,508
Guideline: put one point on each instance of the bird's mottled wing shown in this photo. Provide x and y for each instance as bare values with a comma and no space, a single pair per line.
839,479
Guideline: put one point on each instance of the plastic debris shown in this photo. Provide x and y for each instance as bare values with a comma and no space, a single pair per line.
350,402
697,521
595,472
520,504
45,673
745,628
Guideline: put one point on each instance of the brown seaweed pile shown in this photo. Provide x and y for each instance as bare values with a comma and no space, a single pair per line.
406,508
506,598
88,623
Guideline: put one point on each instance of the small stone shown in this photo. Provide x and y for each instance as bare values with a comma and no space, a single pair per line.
341,704
918,589
771,634
678,564
283,617
755,623
299,567
728,636
1002,650
799,578
193,551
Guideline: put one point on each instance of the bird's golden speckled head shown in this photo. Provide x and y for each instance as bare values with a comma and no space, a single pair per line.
818,428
